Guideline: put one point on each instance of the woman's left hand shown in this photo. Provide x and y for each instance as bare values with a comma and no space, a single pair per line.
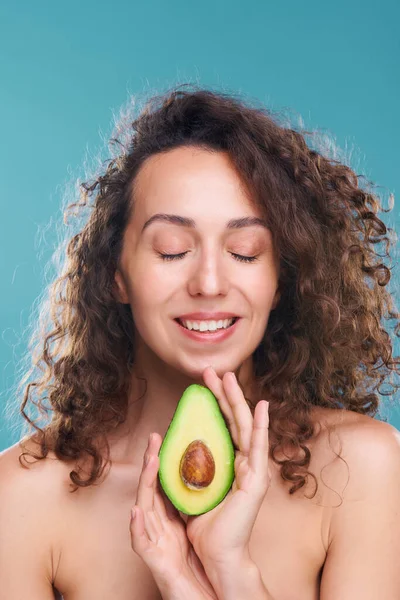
221,536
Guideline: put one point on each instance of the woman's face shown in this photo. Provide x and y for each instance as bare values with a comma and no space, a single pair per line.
209,276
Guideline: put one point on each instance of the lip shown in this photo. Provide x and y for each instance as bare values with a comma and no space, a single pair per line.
207,316
209,338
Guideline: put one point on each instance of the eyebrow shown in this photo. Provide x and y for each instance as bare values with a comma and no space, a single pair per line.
188,222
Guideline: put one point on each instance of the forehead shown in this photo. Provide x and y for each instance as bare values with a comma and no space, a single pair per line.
191,181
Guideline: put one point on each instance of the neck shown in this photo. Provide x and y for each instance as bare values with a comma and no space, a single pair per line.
155,390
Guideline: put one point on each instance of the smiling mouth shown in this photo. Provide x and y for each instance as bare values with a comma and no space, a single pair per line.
208,331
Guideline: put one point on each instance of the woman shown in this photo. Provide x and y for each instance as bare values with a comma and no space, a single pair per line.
212,211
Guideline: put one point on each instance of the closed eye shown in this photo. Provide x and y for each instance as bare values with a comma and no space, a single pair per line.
239,257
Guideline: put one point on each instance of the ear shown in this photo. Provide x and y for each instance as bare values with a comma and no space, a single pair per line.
119,288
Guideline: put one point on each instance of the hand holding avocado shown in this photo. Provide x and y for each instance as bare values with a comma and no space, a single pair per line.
221,536
158,536
221,493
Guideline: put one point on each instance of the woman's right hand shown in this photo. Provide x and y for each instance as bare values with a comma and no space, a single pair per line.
158,536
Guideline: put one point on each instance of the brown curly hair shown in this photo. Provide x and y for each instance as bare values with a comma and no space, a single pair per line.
325,342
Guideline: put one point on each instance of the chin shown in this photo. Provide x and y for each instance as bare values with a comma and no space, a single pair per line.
197,374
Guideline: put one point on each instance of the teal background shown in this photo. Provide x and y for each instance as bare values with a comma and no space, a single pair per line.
66,68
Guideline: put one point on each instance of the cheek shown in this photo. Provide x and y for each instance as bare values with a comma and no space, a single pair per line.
151,285
261,290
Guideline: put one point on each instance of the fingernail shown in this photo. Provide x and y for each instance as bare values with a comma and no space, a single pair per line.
232,376
146,460
133,513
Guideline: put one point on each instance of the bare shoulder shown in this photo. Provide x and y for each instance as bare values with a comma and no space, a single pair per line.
19,468
355,429
355,451
30,498
364,516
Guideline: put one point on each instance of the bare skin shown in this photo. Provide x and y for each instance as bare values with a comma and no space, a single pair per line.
88,554
80,543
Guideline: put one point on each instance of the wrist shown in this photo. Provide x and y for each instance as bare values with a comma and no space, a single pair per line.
182,588
237,580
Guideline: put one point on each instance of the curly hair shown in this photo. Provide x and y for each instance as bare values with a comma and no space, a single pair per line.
325,344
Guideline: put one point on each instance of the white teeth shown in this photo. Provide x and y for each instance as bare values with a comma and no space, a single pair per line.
207,325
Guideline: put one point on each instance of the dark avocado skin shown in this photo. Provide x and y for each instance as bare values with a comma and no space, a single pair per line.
197,416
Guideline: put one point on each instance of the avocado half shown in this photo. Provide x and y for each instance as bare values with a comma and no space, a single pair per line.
197,454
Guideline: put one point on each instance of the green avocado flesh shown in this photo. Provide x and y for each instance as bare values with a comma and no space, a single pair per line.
197,417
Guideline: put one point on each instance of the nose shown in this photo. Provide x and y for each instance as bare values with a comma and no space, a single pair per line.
208,275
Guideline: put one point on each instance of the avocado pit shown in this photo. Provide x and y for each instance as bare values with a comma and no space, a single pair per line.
197,466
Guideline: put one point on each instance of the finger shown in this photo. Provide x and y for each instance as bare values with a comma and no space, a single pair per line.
148,526
153,526
148,476
160,506
214,383
258,459
147,490
240,410
139,539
